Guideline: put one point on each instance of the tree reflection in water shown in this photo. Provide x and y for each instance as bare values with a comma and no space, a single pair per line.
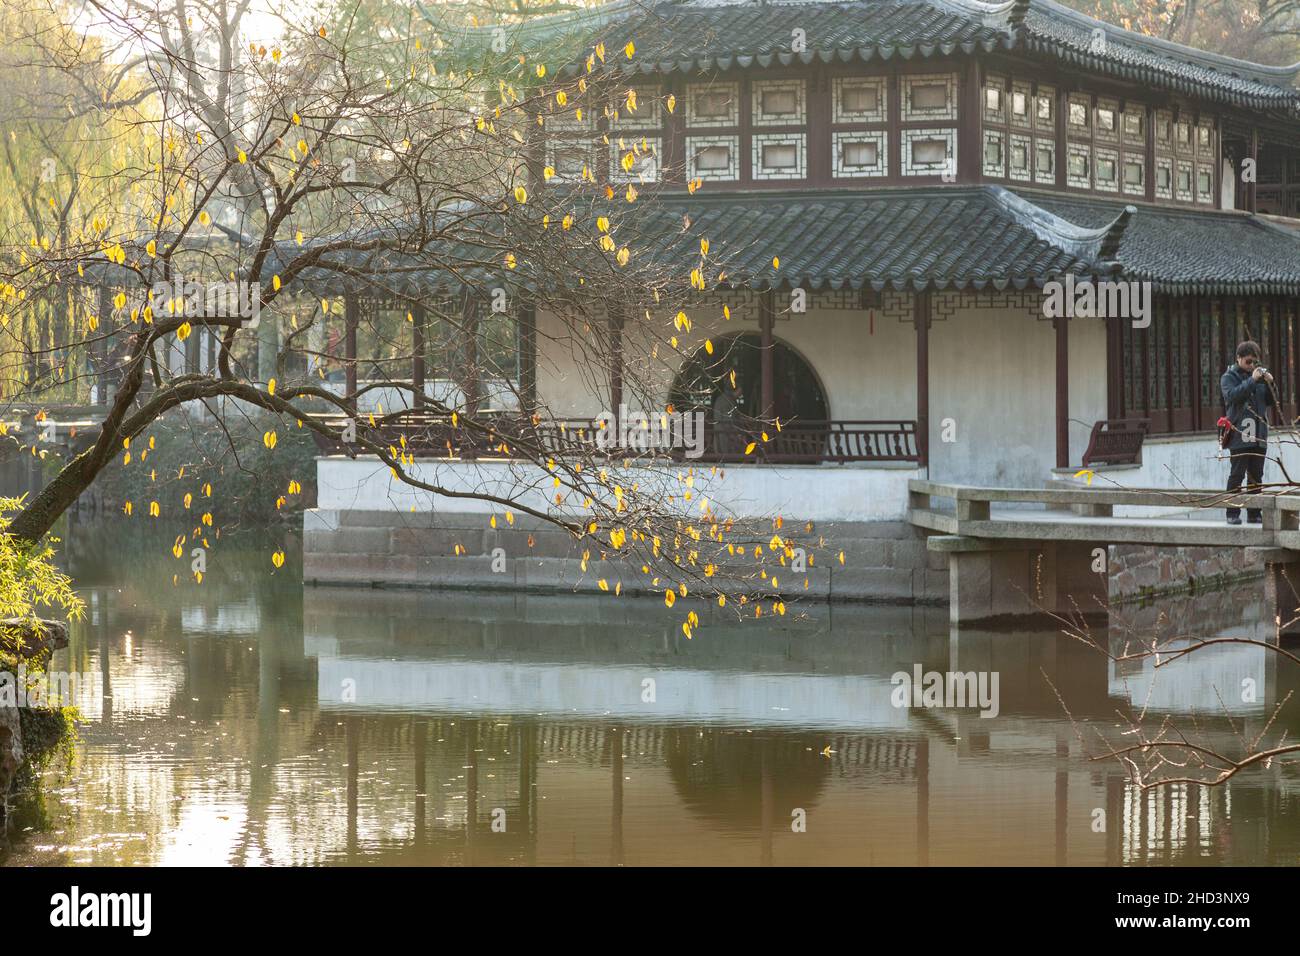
512,729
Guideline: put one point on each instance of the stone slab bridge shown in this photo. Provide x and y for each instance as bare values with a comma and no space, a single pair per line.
61,427
1019,552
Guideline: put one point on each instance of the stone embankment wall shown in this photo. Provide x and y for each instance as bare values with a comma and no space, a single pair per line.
884,561
1138,571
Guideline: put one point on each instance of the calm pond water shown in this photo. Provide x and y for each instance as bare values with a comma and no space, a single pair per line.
249,721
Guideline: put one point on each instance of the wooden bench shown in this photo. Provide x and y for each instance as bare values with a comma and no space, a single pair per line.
1116,441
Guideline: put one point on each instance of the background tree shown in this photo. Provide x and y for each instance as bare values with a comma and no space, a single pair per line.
1261,31
309,159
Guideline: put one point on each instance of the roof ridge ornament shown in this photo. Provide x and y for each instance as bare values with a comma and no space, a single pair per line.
989,14
1016,16
1099,246
1108,251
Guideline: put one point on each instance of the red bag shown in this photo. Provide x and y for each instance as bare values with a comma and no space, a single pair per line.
1225,431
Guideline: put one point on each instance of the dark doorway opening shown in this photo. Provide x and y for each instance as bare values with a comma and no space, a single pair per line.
705,382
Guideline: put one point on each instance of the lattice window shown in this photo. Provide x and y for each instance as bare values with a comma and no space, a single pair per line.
779,156
929,96
864,153
860,99
778,103
715,158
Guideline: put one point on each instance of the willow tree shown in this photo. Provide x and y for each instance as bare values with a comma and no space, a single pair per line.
59,150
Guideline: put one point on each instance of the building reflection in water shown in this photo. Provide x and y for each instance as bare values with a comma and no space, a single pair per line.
260,723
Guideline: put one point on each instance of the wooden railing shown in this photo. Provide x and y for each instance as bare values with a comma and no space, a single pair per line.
813,442
428,434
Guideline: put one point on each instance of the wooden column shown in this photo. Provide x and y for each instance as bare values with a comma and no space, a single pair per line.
470,380
419,318
1114,369
1145,344
921,319
970,149
615,359
1062,325
1062,135
1165,316
528,358
1277,357
1150,173
1292,363
766,317
351,319
1192,309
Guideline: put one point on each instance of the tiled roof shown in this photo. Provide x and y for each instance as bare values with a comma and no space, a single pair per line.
689,37
1187,251
704,35
918,238
941,237
1066,34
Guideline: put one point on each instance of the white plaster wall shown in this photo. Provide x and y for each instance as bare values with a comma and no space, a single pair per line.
1197,462
798,492
993,372
866,367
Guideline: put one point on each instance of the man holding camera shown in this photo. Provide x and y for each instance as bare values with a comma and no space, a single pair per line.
1247,394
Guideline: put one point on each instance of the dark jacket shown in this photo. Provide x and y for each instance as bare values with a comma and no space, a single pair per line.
1243,398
